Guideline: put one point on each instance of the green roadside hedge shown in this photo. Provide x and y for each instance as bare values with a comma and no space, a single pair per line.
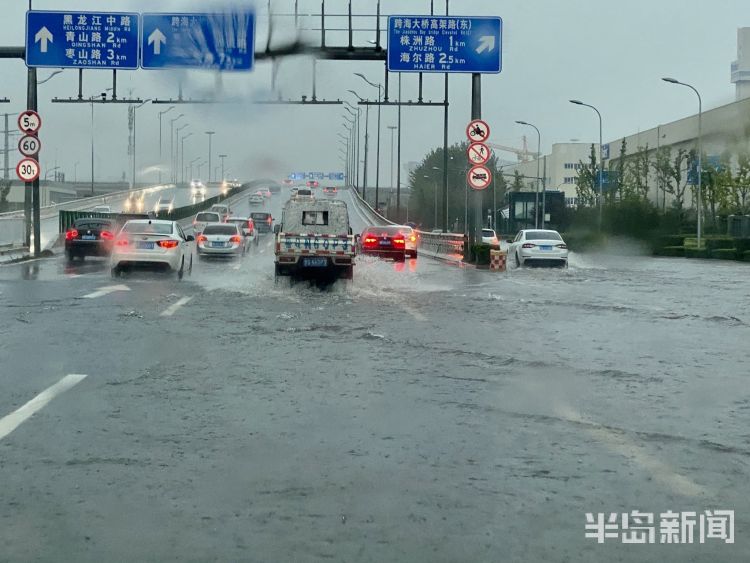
672,251
695,253
724,253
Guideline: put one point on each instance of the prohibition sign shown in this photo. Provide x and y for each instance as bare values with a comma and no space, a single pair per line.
479,153
479,178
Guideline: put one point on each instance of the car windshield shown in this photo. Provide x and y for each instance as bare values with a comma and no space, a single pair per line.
222,229
542,235
409,281
148,228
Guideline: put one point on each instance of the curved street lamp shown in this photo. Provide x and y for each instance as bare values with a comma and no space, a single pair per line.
601,164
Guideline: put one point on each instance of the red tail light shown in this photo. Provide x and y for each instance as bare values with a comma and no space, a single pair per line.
106,235
201,238
399,241
370,239
564,246
167,243
529,245
71,234
236,239
122,242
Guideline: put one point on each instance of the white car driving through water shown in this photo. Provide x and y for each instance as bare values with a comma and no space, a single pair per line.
538,247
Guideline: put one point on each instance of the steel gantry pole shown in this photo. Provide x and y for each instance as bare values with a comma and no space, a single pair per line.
398,158
161,161
538,160
182,157
210,136
699,203
601,164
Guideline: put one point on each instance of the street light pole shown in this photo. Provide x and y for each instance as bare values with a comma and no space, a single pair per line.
191,166
393,130
699,203
135,108
377,152
538,159
161,162
367,143
182,157
357,145
210,137
222,157
171,144
601,164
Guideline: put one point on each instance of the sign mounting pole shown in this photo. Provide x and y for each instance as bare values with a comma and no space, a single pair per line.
475,232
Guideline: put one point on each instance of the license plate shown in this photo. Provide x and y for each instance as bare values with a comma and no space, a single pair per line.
545,248
144,245
385,243
217,244
88,237
314,262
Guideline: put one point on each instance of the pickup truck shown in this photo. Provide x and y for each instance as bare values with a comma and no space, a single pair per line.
314,240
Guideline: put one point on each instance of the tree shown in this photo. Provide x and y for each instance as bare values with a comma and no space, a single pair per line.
587,182
662,167
677,178
517,184
717,183
4,191
637,175
740,195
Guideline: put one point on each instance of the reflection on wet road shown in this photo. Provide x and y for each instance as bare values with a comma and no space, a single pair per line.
420,413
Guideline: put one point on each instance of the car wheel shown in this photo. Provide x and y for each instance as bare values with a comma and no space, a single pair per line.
518,260
190,269
69,256
181,271
114,272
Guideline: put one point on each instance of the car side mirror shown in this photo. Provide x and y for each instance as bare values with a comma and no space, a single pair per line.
276,229
189,238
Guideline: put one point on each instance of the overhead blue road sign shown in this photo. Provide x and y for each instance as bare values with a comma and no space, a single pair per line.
445,44
82,39
316,176
214,41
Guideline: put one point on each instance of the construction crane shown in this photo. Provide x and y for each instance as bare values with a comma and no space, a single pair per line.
523,154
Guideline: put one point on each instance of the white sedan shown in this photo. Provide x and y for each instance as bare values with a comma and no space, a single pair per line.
152,243
534,246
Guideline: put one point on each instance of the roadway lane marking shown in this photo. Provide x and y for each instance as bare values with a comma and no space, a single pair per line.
414,313
172,309
12,421
620,444
102,291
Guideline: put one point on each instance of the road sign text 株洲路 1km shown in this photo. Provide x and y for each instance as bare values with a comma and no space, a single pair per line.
445,44
82,39
222,41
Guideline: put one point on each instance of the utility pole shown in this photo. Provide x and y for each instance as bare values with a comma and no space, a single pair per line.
210,136
475,232
7,148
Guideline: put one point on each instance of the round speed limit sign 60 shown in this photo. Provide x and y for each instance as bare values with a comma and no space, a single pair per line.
27,170
29,145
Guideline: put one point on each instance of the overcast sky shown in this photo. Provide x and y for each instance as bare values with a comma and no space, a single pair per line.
607,53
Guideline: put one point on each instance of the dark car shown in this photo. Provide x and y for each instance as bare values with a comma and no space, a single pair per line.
263,222
389,242
89,237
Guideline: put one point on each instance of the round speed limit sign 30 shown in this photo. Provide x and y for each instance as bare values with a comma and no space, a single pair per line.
27,170
29,145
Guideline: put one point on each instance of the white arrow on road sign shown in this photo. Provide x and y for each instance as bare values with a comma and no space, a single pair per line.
486,43
157,38
42,37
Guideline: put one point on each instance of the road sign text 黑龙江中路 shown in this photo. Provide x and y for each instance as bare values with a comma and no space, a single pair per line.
74,39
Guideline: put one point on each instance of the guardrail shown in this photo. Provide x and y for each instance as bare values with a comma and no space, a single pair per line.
66,218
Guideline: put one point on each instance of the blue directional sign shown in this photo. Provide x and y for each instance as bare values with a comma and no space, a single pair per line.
222,41
445,44
82,39
316,176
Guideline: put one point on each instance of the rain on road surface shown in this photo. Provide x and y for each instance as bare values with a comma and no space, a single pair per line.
421,413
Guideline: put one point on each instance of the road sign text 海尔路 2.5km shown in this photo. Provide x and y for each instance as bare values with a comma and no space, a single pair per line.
445,44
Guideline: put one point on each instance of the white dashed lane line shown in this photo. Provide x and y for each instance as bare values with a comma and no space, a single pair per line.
172,309
102,291
12,421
